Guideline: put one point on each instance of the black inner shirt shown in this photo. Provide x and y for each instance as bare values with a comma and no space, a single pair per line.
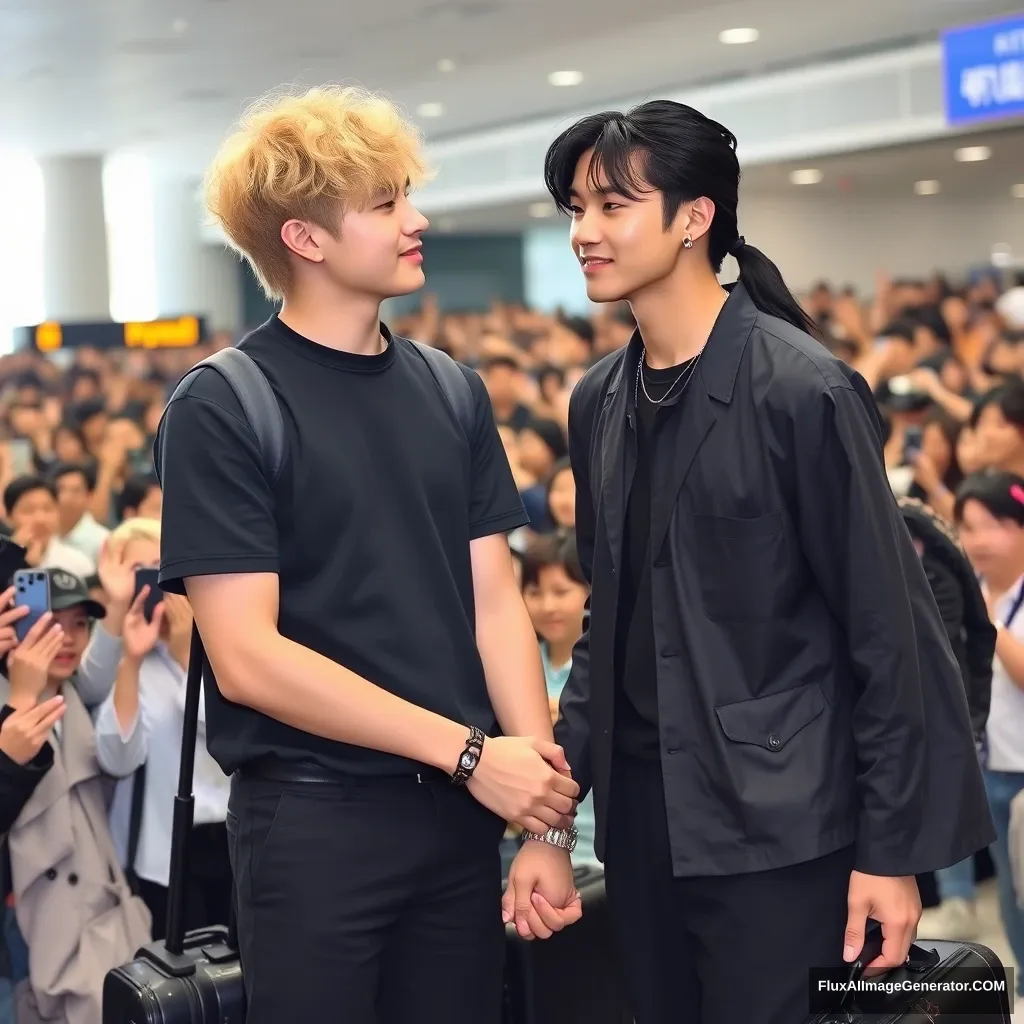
636,690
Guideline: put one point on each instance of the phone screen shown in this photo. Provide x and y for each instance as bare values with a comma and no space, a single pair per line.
21,456
148,578
32,589
912,444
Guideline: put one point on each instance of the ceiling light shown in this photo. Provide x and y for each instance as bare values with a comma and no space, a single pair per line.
446,64
926,188
807,176
1017,191
430,109
562,78
972,154
739,36
542,209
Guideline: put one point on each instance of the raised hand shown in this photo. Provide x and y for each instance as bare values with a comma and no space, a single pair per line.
525,780
138,636
24,732
116,575
28,667
8,635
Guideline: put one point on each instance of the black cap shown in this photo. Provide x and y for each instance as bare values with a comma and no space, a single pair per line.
68,591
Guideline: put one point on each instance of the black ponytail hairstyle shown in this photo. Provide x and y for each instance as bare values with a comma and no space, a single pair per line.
684,155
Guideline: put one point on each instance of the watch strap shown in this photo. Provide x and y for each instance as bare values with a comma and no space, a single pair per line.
563,838
470,756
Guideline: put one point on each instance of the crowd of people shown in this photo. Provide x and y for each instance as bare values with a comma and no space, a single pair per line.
94,692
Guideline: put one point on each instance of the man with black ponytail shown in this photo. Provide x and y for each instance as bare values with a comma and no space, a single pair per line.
748,702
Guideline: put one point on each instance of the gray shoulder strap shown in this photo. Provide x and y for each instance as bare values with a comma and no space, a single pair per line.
257,399
453,384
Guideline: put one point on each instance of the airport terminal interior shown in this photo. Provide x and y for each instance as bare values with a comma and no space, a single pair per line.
881,154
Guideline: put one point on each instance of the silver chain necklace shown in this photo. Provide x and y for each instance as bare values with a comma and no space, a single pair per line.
640,383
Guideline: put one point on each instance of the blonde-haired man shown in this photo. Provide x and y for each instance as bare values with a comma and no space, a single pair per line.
361,613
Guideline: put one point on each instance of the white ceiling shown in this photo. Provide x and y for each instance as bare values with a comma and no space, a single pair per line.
169,76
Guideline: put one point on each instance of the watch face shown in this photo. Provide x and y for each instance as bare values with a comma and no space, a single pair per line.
468,760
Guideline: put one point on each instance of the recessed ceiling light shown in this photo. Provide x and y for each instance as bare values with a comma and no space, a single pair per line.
563,78
972,154
1017,191
926,188
806,176
542,209
739,36
446,64
430,109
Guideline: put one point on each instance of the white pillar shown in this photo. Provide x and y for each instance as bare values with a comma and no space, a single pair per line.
76,281
193,274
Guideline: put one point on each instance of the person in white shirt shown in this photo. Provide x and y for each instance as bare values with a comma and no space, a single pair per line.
31,505
990,516
78,527
140,723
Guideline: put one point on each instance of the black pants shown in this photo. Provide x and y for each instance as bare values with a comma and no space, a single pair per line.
721,950
207,886
372,901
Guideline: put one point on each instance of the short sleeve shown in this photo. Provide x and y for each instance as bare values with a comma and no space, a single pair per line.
218,508
495,505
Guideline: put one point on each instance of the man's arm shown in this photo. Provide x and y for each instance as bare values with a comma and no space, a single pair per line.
856,543
507,643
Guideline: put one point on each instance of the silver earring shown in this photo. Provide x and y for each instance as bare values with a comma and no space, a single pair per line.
687,242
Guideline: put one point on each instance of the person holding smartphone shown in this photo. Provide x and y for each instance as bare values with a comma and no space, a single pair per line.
142,649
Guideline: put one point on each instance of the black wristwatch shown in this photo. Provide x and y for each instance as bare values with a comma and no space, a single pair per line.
470,757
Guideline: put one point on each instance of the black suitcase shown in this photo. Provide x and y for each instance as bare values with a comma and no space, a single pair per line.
573,977
184,979
962,980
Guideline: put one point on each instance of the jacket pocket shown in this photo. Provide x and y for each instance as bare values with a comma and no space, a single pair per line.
773,720
740,563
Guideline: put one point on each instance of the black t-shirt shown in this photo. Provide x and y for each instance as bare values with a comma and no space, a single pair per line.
368,529
636,670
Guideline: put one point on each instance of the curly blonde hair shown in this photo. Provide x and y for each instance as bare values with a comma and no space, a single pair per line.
311,157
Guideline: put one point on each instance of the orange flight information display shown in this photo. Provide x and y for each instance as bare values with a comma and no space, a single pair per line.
172,332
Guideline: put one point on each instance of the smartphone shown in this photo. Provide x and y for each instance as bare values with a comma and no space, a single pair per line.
21,456
912,444
12,558
32,589
148,578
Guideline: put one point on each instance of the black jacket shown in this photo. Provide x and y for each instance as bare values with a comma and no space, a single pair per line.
793,622
961,604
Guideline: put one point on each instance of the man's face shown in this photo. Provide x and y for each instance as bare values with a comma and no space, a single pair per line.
377,251
72,499
1000,443
149,507
35,512
622,244
502,383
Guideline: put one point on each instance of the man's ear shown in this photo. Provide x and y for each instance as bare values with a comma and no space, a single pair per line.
699,217
297,237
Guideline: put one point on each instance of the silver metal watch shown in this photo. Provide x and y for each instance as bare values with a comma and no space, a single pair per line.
563,838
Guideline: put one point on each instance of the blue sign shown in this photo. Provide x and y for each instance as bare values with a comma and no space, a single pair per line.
983,68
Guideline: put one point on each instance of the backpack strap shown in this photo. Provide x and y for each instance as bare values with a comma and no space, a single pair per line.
453,384
135,825
256,397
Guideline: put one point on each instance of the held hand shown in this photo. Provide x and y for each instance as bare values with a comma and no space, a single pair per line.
28,667
541,896
24,732
895,904
8,636
521,779
138,636
33,546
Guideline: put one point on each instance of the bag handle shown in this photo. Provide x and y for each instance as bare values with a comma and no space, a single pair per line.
184,802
